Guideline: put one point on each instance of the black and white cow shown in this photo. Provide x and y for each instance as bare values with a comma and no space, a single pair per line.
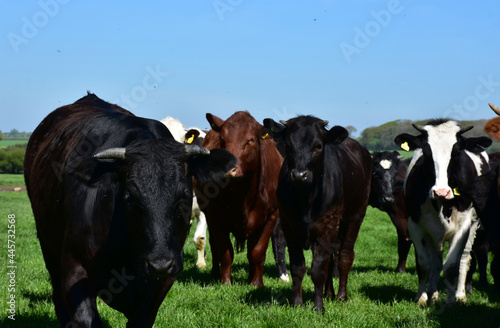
443,161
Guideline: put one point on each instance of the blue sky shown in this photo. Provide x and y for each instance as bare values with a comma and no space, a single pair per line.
358,63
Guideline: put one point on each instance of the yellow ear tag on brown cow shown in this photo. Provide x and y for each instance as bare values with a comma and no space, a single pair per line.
190,139
455,191
405,146
265,135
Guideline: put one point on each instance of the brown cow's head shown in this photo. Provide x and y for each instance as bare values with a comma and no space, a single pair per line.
492,127
240,134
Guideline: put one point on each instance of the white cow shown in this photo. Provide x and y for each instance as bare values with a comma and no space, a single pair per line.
200,236
443,163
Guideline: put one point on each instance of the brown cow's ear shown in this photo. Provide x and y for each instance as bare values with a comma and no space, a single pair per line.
215,122
336,135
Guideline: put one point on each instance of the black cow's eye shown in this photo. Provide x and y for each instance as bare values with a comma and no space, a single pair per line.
318,147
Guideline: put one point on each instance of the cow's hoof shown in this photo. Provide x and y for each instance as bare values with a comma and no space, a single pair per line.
422,300
284,277
201,265
462,299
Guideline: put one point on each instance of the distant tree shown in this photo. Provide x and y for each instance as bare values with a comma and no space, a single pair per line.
351,129
1,135
11,159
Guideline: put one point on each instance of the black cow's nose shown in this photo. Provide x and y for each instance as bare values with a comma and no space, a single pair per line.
163,266
299,175
388,199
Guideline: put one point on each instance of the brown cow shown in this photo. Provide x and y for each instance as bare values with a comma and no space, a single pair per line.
492,127
246,205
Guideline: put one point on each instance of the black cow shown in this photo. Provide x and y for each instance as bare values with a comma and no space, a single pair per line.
485,193
111,194
386,194
323,192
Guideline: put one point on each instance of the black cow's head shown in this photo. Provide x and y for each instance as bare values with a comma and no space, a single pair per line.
384,177
304,139
149,183
446,158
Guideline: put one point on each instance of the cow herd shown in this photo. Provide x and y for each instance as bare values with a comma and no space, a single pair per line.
114,194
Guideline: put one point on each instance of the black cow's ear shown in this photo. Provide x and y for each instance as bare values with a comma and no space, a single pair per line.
191,135
407,142
336,135
273,128
220,164
477,145
215,122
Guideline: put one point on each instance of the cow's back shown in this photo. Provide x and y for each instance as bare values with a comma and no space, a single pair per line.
356,166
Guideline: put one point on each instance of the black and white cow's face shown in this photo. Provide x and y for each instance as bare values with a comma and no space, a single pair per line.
448,158
304,139
384,174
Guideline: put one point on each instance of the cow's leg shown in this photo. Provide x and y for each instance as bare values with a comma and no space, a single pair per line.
222,255
200,237
279,248
436,265
404,241
79,296
298,270
348,236
319,272
457,262
257,245
423,260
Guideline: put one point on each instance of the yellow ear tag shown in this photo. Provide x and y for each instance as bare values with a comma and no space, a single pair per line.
213,125
265,135
455,192
405,146
190,139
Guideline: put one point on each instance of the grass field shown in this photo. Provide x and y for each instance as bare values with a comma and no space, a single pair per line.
6,143
8,180
377,296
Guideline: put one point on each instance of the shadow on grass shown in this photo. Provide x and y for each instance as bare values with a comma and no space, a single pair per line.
466,315
381,268
388,294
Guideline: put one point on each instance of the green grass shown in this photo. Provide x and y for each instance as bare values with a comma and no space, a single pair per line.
7,142
377,296
9,180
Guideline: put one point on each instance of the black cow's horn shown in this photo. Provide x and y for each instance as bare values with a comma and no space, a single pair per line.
194,150
283,122
495,109
465,129
111,153
418,127
325,122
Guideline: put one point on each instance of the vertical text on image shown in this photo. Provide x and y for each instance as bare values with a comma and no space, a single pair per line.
11,266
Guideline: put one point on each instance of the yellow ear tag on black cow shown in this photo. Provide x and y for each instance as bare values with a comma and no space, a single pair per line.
265,135
405,146
190,139
455,191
